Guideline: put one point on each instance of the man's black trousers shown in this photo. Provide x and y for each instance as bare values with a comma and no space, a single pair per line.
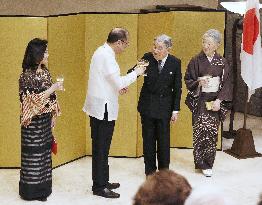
101,133
156,141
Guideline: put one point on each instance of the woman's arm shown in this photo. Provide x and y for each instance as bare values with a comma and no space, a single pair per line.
191,76
33,103
226,90
54,87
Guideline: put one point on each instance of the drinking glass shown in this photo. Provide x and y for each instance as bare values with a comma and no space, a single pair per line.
60,78
144,63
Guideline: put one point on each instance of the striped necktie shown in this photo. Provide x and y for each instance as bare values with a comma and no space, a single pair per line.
159,66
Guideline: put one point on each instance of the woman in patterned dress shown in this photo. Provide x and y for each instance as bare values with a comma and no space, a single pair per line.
39,108
208,79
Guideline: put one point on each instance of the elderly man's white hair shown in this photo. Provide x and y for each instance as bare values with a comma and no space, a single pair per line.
164,39
207,195
215,34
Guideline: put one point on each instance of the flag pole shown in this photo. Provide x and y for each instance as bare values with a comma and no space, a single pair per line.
243,145
245,111
231,133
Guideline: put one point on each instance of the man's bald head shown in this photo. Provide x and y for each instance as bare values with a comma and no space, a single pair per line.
117,34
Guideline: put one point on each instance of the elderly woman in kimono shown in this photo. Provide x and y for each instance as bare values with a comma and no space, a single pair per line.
209,84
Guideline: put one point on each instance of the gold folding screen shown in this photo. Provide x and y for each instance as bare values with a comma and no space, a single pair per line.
66,36
72,41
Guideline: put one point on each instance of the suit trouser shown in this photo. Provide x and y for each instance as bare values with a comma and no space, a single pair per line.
156,139
101,133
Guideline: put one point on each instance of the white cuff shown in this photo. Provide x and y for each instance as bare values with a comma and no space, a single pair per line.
175,112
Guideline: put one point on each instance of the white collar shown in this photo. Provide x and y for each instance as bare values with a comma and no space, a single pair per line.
163,61
210,58
109,49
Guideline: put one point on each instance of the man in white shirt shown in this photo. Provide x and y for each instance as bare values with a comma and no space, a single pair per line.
101,104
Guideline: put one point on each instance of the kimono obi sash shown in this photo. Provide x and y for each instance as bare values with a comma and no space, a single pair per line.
213,85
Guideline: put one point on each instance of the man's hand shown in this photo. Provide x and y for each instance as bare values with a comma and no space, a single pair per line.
174,117
140,70
123,91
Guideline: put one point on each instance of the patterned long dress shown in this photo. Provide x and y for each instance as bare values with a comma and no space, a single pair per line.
36,134
206,122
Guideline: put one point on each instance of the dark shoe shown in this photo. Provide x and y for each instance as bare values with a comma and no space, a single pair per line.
107,193
42,199
112,185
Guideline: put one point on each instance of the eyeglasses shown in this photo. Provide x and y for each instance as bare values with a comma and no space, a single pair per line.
125,42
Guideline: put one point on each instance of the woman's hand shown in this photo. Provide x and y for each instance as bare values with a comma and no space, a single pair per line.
53,121
216,105
53,88
204,82
58,86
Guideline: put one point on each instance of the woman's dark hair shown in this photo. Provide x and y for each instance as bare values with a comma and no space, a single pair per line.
34,54
117,34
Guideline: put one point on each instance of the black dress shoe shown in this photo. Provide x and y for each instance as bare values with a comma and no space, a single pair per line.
42,199
112,185
107,193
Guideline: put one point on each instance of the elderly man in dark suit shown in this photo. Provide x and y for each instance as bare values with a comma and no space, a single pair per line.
159,103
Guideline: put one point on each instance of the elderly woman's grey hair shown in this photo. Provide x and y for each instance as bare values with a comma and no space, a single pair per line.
164,39
215,34
207,195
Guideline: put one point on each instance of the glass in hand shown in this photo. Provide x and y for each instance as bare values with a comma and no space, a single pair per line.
60,78
144,63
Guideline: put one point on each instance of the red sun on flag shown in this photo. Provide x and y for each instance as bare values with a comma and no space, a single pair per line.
250,30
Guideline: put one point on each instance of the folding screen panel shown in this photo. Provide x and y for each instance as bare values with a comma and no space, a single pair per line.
15,33
97,29
66,36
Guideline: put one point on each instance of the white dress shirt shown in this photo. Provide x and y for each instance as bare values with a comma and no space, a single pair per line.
163,61
104,84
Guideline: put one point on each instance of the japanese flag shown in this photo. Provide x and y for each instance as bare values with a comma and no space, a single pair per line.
251,53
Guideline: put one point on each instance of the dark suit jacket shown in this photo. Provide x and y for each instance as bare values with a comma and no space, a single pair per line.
161,92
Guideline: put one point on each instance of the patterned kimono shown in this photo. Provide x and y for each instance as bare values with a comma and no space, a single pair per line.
36,134
206,122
